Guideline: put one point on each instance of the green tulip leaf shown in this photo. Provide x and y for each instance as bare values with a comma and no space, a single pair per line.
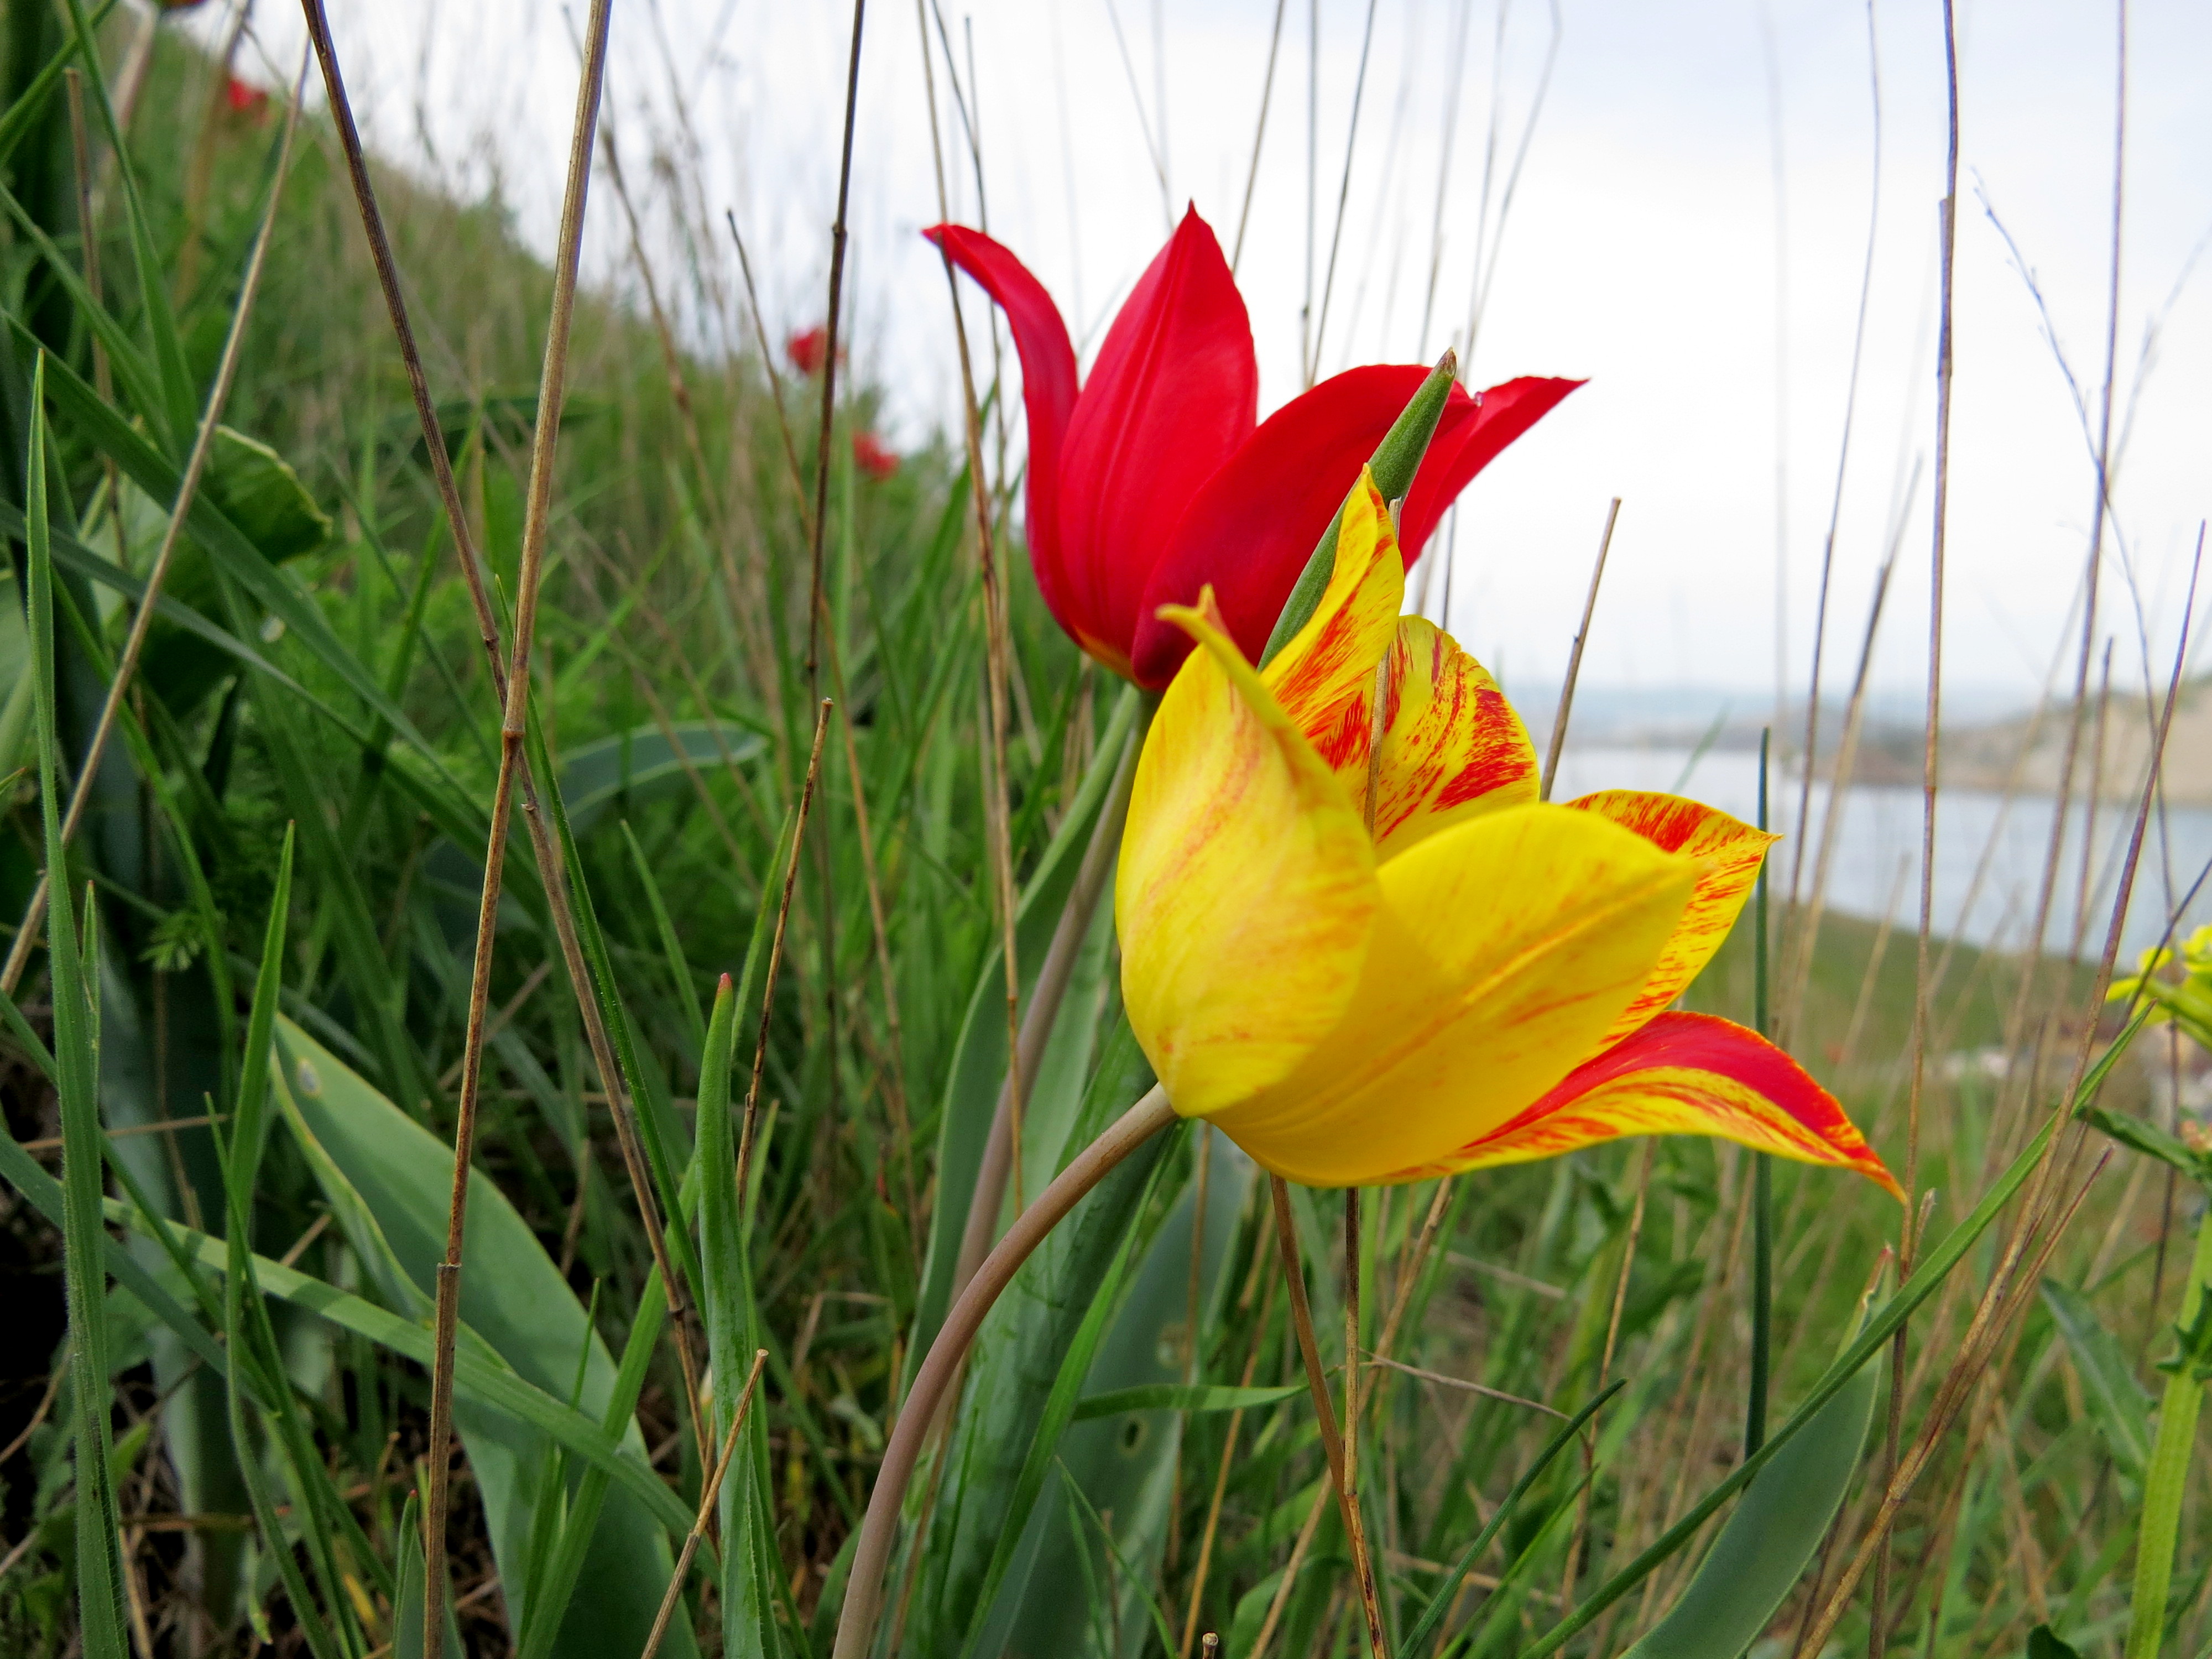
1774,1532
1180,1397
2117,1404
376,1163
1396,461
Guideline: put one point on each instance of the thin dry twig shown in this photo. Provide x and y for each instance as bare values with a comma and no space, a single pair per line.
552,871
514,729
1252,175
706,1509
1463,1384
830,362
1842,466
1199,1574
1286,1243
1923,1010
1343,195
997,648
1605,1364
1575,657
775,950
1362,1564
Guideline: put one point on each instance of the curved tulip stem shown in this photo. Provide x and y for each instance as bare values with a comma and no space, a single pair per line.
856,1624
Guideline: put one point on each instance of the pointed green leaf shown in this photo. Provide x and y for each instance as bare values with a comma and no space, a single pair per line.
98,1559
2117,1404
1774,1532
1396,459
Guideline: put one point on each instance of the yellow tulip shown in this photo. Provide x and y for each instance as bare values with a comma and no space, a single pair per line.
1355,941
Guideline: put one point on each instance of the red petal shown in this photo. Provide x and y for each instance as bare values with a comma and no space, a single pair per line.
1253,527
1468,439
1693,1074
1048,390
1174,390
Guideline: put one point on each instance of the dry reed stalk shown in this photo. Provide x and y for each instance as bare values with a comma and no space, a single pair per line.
1252,177
1809,758
552,871
1286,1245
1400,1299
1922,1010
512,731
1452,102
2008,1291
1559,739
774,379
1343,196
1798,977
672,361
837,239
1362,1564
2092,800
1206,1537
1489,236
894,1092
1152,150
996,654
776,953
712,1490
1576,1539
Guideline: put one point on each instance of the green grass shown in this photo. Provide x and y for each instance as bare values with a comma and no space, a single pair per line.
283,859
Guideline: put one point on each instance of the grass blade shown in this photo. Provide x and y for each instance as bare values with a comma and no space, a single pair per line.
98,1559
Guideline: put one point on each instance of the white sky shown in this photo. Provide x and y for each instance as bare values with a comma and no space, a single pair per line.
1640,251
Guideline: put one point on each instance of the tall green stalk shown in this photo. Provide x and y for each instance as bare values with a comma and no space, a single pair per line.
1762,1166
2167,1477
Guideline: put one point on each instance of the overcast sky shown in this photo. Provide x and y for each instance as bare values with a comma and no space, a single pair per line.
1644,244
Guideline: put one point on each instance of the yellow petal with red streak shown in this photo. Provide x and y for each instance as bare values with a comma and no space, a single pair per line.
1729,852
1247,891
1506,945
1682,1074
1453,748
1324,677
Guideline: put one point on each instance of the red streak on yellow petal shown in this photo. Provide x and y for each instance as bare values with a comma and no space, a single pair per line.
1324,677
1453,746
1683,1074
1730,852
1506,948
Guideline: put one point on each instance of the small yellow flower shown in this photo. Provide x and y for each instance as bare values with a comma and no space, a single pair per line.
2186,1001
1370,963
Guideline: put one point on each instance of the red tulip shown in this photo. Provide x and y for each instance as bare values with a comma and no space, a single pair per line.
873,457
1152,480
808,349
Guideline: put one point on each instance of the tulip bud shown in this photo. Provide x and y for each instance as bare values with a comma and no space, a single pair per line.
1396,461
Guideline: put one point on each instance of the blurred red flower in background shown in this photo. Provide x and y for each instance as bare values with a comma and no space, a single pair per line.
873,457
244,97
808,348
1154,478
